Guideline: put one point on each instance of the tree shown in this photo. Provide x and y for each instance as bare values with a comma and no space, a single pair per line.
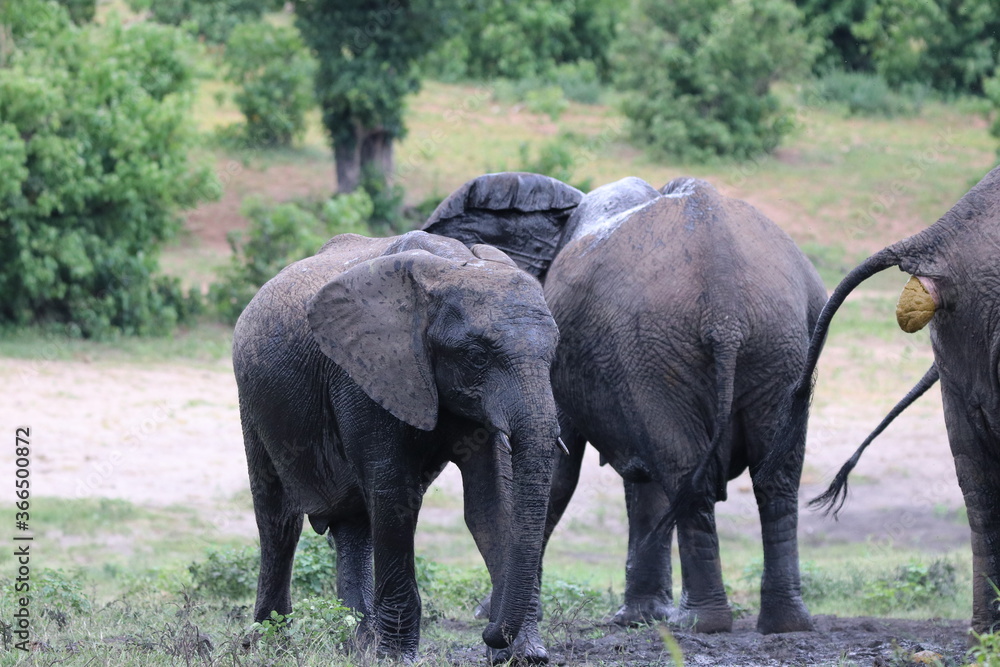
94,141
367,52
833,23
696,74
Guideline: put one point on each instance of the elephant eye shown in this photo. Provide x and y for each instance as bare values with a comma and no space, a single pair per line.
477,357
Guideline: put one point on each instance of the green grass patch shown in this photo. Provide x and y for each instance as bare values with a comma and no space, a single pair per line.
206,343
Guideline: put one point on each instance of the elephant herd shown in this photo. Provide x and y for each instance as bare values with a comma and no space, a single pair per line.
676,330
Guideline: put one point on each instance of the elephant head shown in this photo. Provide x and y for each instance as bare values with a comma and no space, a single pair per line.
431,327
955,289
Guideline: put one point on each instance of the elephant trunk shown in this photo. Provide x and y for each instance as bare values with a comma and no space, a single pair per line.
532,460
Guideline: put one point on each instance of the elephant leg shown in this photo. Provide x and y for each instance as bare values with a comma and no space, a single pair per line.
486,477
648,576
973,448
279,528
781,605
353,542
703,602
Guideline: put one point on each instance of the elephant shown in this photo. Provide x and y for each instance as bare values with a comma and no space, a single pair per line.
953,287
362,371
683,316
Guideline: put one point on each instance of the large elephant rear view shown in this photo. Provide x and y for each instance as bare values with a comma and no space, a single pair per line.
955,287
683,315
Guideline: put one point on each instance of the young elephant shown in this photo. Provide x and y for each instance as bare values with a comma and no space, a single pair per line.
362,371
954,287
683,315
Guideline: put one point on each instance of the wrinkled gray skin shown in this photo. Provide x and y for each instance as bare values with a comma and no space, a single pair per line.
957,258
683,316
362,371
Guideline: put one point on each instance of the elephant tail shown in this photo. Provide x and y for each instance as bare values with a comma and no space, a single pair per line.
833,498
790,436
707,481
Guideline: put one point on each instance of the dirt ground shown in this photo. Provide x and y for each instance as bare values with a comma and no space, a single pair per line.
170,435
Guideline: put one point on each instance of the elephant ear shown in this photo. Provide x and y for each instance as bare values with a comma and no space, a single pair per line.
522,214
372,322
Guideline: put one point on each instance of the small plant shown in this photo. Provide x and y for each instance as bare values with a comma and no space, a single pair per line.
863,95
986,651
274,71
227,573
280,234
314,573
555,159
274,626
548,100
912,585
321,618
61,596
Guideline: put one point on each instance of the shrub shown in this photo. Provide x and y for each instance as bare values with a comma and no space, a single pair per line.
81,11
315,568
227,573
94,143
212,20
862,94
555,158
992,89
61,596
278,235
274,71
912,585
696,74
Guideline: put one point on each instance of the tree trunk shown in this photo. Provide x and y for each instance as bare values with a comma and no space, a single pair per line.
367,149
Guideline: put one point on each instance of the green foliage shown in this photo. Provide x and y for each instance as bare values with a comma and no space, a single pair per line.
992,89
274,71
315,568
697,74
387,203
367,55
227,573
278,235
862,94
61,595
212,20
94,146
911,585
526,40
324,618
948,46
449,593
81,11
986,651
555,158
832,22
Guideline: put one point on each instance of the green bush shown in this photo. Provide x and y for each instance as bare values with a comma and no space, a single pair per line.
227,573
212,20
992,89
525,40
315,568
81,11
274,71
278,235
61,596
94,142
912,585
862,94
555,158
696,75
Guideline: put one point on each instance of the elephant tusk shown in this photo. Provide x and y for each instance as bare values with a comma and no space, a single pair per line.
505,441
562,445
916,305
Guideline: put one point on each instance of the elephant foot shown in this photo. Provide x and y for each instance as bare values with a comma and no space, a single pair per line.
783,615
527,649
706,620
643,611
